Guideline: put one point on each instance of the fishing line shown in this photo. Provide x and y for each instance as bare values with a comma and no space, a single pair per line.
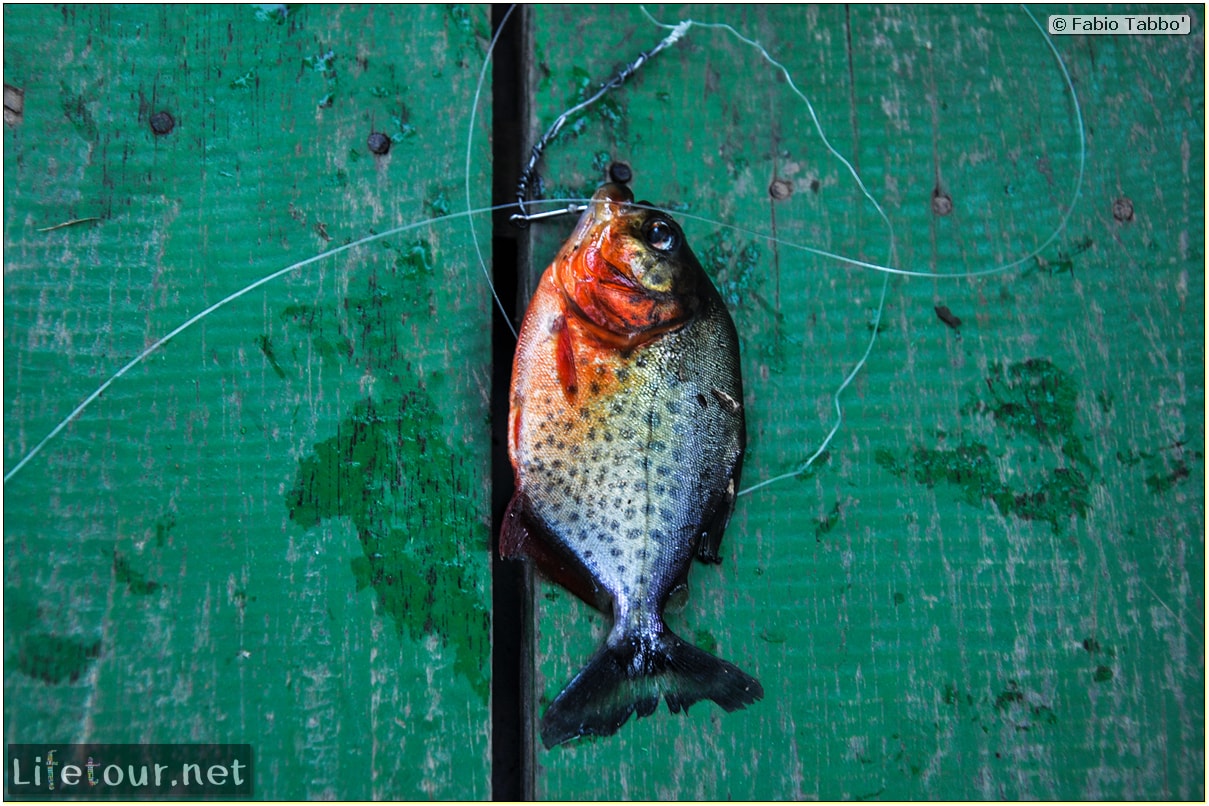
474,108
522,186
677,31
222,303
888,269
997,269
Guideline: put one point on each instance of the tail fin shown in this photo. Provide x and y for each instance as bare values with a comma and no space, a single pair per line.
632,676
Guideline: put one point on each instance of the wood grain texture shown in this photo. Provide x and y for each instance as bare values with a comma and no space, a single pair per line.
275,529
993,586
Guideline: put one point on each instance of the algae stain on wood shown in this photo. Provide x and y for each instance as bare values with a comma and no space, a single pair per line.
390,472
1033,399
390,468
57,659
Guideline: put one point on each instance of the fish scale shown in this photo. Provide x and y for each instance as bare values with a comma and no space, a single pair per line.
626,435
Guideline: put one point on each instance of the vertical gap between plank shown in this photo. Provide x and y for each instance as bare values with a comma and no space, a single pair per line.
511,614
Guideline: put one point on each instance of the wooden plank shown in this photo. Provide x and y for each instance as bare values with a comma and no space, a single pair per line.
993,587
274,529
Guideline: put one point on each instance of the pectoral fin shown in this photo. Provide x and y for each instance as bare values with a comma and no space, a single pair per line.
715,522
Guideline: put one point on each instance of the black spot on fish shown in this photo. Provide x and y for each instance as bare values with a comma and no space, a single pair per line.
701,401
615,552
622,374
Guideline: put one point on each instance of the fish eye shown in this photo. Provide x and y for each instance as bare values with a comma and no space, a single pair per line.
661,234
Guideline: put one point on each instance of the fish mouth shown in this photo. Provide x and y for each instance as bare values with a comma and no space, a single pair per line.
605,277
610,196
617,277
613,217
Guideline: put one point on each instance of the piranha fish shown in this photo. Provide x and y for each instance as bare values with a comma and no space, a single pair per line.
626,435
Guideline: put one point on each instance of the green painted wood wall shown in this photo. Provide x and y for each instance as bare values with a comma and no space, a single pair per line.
276,528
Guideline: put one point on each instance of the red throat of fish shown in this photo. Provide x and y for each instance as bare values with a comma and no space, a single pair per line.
602,294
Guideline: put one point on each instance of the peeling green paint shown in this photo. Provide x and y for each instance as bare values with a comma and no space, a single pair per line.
135,581
748,287
1064,262
825,524
1162,482
276,13
324,64
1165,468
163,527
734,265
436,202
244,82
601,161
1012,705
315,322
461,18
607,109
266,346
1037,399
